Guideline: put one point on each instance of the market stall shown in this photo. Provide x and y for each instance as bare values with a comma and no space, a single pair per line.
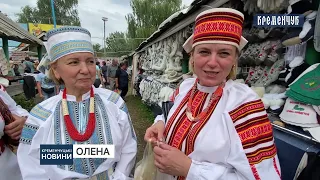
9,30
160,63
281,65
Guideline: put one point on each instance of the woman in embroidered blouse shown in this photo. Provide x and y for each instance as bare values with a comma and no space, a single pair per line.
217,128
9,133
80,114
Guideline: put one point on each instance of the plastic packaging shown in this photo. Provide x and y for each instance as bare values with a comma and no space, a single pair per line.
145,169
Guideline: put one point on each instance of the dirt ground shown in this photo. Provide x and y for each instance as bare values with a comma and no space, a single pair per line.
141,118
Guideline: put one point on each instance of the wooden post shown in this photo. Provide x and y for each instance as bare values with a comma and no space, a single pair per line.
39,48
5,46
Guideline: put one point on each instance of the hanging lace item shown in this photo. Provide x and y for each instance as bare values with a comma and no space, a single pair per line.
294,51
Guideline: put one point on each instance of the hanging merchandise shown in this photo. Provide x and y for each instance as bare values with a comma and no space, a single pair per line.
274,72
297,61
317,32
294,51
303,7
275,53
304,34
269,5
273,101
312,56
4,65
165,94
294,72
266,53
250,6
306,87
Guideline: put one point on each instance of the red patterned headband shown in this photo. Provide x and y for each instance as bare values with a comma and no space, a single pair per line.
218,25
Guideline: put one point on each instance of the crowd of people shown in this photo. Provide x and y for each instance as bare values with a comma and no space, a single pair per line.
216,128
113,77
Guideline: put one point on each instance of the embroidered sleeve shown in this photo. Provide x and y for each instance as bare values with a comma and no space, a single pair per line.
38,114
124,108
114,98
25,153
129,145
29,130
254,129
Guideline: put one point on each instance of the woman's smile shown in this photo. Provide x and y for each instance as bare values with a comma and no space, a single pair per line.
211,73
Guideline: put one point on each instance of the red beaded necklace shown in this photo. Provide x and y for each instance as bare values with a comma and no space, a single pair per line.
73,132
214,97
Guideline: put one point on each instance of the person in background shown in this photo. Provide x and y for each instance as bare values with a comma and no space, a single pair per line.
22,66
217,129
35,65
111,73
29,84
98,80
122,79
46,87
16,69
104,71
80,114
43,79
12,119
29,66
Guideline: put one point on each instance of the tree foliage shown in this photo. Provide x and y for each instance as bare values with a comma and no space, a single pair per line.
96,47
117,44
65,11
146,17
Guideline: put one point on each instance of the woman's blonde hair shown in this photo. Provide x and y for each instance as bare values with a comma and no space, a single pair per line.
233,73
53,76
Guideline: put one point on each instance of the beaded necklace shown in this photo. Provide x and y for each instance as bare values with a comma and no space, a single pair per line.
73,132
213,97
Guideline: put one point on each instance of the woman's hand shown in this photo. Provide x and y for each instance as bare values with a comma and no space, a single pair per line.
155,132
170,160
14,129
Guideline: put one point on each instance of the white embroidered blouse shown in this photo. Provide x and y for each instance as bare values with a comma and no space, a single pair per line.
235,142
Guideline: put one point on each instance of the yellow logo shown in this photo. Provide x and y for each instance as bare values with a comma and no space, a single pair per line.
311,83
